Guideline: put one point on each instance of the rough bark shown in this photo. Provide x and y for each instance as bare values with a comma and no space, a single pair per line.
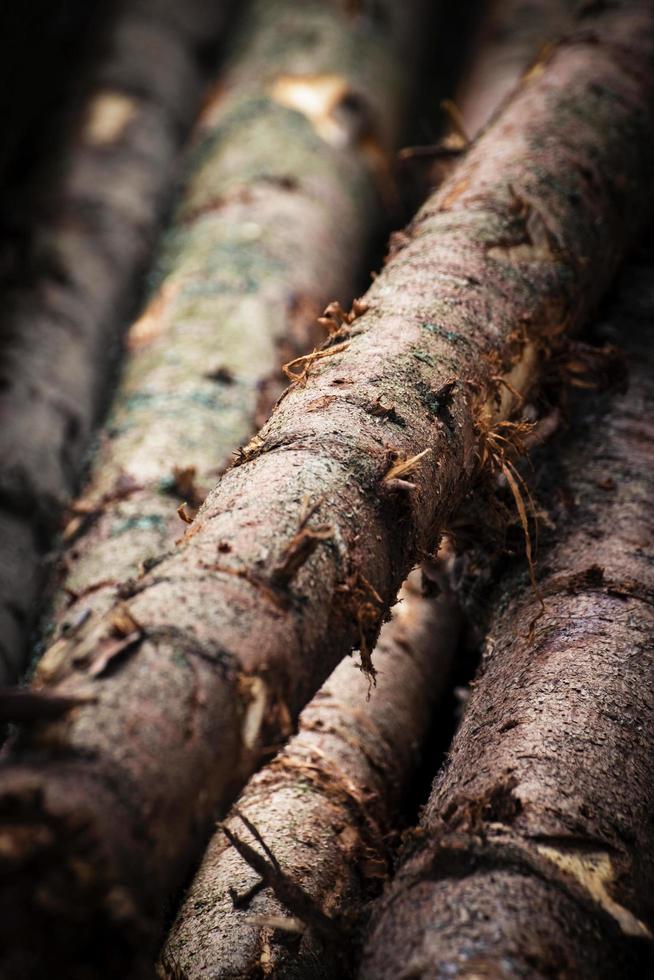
295,557
284,191
540,823
327,806
61,328
328,802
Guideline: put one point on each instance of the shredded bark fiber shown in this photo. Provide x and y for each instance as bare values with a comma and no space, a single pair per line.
539,825
284,191
61,328
103,811
326,806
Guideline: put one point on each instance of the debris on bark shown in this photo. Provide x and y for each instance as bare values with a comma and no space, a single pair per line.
104,810
327,806
282,197
62,327
539,825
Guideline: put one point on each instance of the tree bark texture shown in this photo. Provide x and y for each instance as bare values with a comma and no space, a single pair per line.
284,191
539,826
349,759
61,329
297,555
327,805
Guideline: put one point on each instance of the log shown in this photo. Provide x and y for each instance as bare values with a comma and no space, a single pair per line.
61,41
61,327
328,803
283,194
539,825
298,554
327,806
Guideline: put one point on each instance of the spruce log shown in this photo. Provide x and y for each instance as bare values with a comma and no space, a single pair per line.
332,844
59,40
297,555
284,192
539,826
61,328
327,807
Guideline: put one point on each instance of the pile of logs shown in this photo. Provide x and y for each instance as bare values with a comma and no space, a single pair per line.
326,596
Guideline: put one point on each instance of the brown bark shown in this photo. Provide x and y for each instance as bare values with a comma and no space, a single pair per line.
329,801
277,212
61,328
540,823
202,667
327,806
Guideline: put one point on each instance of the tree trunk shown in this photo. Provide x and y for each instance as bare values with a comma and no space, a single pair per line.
329,803
40,42
540,826
281,201
296,556
61,328
327,806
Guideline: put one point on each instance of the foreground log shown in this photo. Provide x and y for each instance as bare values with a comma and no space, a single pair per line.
328,803
540,824
285,190
61,328
513,35
327,806
297,555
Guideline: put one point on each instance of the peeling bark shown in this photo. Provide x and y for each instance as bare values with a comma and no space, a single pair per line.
327,806
285,183
539,825
61,328
202,668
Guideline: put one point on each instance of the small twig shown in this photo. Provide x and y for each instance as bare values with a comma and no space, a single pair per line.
457,122
434,151
184,515
242,901
258,837
308,359
301,547
295,898
401,467
298,552
24,706
282,923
